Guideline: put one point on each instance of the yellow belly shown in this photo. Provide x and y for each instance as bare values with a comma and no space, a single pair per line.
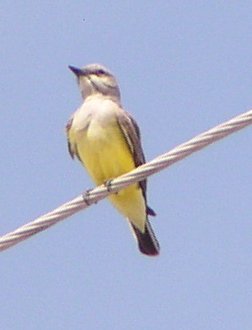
105,154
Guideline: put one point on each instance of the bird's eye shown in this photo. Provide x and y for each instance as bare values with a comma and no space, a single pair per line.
100,72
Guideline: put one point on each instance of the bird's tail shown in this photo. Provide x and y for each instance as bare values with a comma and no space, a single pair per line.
147,241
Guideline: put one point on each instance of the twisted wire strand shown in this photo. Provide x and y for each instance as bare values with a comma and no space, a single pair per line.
83,201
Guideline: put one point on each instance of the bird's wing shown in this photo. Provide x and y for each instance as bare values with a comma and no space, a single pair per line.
71,146
131,133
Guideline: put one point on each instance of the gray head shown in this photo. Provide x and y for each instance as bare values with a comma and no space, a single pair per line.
96,79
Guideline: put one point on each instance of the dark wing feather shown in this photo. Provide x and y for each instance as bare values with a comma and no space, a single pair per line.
68,126
132,136
71,148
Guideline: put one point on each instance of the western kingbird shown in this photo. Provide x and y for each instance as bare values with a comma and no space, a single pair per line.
106,139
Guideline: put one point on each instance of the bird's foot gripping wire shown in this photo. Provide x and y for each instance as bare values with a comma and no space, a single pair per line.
108,185
86,196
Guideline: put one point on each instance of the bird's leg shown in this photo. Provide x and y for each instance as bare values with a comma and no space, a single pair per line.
85,196
108,184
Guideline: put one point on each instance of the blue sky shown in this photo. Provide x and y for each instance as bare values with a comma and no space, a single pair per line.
183,68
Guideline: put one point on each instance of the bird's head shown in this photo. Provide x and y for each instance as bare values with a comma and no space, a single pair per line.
96,79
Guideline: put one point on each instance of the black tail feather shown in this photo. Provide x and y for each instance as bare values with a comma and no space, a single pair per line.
147,241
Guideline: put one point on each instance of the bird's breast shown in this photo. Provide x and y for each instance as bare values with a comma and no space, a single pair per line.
103,150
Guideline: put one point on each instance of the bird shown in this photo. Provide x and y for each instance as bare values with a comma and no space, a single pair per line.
106,139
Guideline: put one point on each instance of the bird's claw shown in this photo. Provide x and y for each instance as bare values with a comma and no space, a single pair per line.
108,185
85,196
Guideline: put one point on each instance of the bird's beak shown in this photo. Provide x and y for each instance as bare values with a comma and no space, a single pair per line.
78,72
